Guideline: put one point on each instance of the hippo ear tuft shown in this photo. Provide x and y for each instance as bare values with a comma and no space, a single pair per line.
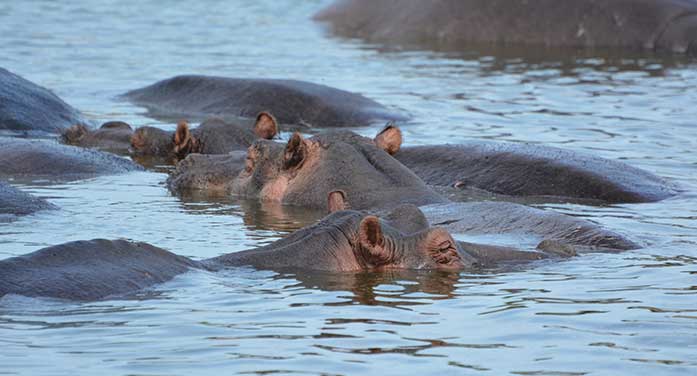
370,236
294,154
266,125
389,139
337,201
184,142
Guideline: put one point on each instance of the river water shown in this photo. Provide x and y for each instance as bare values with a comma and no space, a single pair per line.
616,314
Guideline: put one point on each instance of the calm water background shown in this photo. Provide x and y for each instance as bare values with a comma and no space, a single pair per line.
630,313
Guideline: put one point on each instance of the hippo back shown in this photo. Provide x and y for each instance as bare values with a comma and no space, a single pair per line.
292,102
460,24
25,106
90,270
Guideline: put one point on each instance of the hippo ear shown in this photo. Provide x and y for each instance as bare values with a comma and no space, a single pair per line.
295,152
337,201
389,139
74,134
371,238
266,125
183,140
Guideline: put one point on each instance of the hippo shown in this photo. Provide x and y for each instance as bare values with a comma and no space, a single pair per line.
523,169
460,25
112,136
14,202
346,241
214,136
295,103
213,174
46,159
305,171
29,108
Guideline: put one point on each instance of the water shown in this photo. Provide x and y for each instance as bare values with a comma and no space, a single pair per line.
629,313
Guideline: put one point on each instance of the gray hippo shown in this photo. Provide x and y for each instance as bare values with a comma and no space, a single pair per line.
344,241
521,169
458,25
113,136
213,136
295,103
46,159
14,202
27,107
305,171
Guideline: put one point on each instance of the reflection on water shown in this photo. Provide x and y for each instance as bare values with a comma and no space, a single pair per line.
629,313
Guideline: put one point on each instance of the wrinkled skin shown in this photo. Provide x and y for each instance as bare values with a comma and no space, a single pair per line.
27,107
14,202
304,171
294,103
458,25
515,169
44,159
113,136
214,136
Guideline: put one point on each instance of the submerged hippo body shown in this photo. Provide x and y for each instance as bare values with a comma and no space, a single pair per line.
661,25
294,103
26,107
482,218
343,241
90,270
14,202
530,170
44,159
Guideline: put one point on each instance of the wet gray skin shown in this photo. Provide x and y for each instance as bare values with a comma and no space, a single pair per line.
90,270
294,103
458,25
344,241
304,171
45,159
113,136
214,136
213,174
27,107
14,202
530,170
477,218
526,170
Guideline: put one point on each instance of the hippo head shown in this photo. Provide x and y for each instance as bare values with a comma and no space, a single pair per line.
381,246
352,241
151,141
304,171
113,136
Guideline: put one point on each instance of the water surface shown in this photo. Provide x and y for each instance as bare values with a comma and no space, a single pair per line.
629,313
